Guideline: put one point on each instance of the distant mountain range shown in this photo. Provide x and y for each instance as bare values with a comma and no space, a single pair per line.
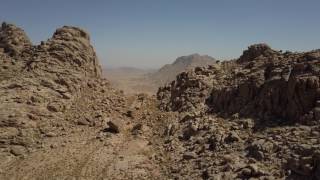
135,80
169,71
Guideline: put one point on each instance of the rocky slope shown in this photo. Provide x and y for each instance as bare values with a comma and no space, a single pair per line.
169,72
41,84
59,118
263,83
254,117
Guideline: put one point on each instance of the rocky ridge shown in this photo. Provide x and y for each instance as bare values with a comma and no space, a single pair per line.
251,118
263,83
40,84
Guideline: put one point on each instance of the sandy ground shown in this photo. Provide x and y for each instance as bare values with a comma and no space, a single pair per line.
131,81
89,153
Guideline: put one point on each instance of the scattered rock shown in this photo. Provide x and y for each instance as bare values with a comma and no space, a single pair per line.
169,130
113,126
53,146
247,123
189,131
189,155
55,107
137,128
232,137
51,134
17,150
83,122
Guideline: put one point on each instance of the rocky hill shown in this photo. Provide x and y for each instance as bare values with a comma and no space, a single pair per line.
184,63
57,112
41,85
263,82
254,117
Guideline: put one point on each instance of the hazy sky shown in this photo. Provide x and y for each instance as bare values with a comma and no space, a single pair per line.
150,33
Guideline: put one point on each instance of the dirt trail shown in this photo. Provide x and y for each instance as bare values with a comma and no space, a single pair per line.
89,153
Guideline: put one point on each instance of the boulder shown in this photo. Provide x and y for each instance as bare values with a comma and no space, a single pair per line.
114,126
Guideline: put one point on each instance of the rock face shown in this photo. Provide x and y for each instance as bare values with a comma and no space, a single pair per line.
13,39
191,88
261,83
49,87
168,72
256,117
246,118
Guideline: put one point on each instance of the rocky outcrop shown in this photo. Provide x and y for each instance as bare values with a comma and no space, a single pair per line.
246,118
262,83
47,89
281,86
256,51
190,89
13,40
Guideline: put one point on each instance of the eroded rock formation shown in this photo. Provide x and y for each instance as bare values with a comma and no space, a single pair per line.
255,117
263,83
246,118
47,88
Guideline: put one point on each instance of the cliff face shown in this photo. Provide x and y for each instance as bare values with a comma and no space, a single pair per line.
49,87
262,83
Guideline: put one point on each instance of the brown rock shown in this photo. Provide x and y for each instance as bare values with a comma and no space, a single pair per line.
189,155
232,137
55,107
114,126
262,82
83,122
17,150
317,113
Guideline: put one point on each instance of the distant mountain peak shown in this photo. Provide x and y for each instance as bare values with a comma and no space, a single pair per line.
193,59
168,72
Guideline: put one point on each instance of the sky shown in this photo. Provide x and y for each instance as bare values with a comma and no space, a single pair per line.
151,33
